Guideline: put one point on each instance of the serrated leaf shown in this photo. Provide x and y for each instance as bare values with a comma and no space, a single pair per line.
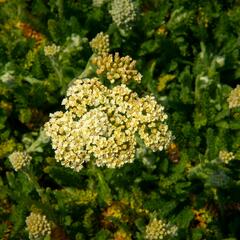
103,189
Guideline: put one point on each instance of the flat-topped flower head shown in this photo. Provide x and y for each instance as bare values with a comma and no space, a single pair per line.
101,124
123,13
100,44
159,229
38,226
234,97
19,160
116,68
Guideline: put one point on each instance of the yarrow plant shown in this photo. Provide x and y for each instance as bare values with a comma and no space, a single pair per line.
19,160
37,226
159,229
102,124
109,167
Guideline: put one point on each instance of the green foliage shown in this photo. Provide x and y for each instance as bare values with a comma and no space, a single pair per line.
188,53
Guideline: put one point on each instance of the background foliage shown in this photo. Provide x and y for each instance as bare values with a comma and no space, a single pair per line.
188,53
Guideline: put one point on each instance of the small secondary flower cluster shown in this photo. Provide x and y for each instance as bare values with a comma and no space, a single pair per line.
123,13
234,97
158,229
112,66
226,156
101,124
37,226
51,50
100,44
117,68
19,160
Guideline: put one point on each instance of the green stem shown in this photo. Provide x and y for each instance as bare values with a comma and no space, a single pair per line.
89,69
57,71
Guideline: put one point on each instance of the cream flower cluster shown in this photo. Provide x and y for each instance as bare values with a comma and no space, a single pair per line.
117,68
19,160
158,229
37,226
123,13
234,98
51,50
101,124
100,44
226,156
